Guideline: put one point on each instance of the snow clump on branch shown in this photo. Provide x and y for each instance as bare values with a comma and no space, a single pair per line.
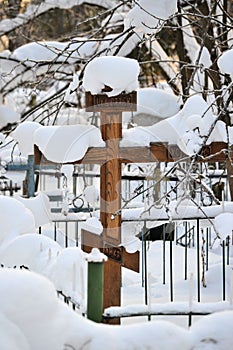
225,63
148,15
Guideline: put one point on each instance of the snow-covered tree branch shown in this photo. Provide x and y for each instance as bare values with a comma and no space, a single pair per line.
184,49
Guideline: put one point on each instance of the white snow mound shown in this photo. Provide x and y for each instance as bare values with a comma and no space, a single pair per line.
119,73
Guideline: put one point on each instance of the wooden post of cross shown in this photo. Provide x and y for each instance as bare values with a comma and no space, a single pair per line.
111,109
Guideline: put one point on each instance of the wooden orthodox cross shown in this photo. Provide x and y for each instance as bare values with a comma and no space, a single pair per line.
110,159
111,109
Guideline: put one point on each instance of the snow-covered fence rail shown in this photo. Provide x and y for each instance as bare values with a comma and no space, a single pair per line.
202,264
70,301
7,187
167,309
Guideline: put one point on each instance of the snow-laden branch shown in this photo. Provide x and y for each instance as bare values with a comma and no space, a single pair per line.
8,25
165,63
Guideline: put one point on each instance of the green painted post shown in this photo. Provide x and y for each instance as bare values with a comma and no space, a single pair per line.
95,285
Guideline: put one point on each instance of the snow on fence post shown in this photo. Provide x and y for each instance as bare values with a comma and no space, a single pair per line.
95,285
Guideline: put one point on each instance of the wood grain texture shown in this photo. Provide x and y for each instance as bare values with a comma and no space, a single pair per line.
131,260
110,203
112,286
110,174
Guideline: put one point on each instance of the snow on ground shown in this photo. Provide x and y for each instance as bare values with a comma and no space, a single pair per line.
22,223
213,332
35,252
47,323
64,269
32,317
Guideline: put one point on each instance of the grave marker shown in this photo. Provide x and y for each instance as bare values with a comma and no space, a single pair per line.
110,159
111,109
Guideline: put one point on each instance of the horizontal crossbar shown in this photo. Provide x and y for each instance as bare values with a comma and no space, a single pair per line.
156,152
